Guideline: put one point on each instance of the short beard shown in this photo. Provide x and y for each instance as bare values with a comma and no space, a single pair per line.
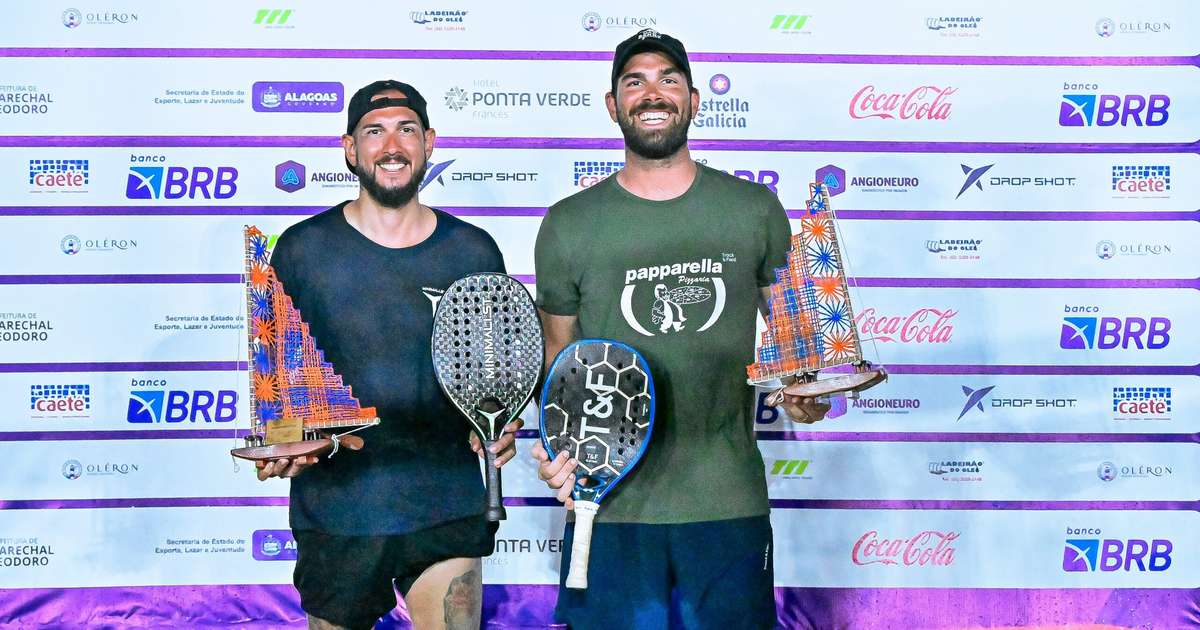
658,144
390,197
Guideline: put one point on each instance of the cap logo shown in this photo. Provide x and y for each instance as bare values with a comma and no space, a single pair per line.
649,32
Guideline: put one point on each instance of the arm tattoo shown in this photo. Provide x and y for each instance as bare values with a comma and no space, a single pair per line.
463,601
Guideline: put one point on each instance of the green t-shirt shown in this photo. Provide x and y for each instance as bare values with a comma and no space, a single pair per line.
678,280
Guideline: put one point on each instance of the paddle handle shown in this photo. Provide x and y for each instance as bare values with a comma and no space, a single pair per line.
495,498
581,546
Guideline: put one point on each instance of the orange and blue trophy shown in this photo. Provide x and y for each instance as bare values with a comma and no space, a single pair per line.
299,405
810,323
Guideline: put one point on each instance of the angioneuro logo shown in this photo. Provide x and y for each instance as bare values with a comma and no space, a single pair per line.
1108,110
152,406
1082,555
289,176
177,182
834,179
1106,333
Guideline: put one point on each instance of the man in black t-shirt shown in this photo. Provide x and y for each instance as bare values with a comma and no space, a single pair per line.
366,276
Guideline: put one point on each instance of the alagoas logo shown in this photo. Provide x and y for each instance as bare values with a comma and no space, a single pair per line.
675,295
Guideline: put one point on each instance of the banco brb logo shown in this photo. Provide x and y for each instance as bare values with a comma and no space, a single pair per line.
151,406
1108,554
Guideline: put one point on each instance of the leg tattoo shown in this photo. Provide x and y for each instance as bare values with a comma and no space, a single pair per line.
463,601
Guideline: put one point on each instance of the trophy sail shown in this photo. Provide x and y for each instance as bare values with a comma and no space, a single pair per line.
810,322
297,402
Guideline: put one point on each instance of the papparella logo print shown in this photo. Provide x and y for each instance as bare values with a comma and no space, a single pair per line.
681,292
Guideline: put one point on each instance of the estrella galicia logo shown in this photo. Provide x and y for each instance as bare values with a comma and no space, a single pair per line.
435,172
973,176
289,176
1106,333
1108,110
177,182
1082,555
156,406
320,97
719,84
974,399
273,544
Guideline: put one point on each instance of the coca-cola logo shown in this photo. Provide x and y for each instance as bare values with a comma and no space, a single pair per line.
929,547
926,325
925,102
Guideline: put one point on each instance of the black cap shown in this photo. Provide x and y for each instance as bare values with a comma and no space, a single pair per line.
361,103
650,40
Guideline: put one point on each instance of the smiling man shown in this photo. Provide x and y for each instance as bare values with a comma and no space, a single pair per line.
673,258
365,275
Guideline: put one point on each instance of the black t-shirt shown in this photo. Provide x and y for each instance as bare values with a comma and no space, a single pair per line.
370,309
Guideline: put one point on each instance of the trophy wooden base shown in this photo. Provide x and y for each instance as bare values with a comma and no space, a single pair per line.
808,385
296,449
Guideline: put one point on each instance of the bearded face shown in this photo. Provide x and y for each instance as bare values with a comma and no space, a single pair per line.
655,129
390,196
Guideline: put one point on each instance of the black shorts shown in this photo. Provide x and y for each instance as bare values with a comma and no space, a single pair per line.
719,574
347,580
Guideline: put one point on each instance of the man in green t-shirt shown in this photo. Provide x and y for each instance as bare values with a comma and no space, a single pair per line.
673,258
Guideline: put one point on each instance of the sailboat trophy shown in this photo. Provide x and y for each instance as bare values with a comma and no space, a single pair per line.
298,403
810,322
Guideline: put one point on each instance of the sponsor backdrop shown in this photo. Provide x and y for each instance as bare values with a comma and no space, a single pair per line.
1017,188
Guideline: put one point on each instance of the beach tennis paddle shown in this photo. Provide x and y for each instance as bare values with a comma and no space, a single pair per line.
598,406
488,352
